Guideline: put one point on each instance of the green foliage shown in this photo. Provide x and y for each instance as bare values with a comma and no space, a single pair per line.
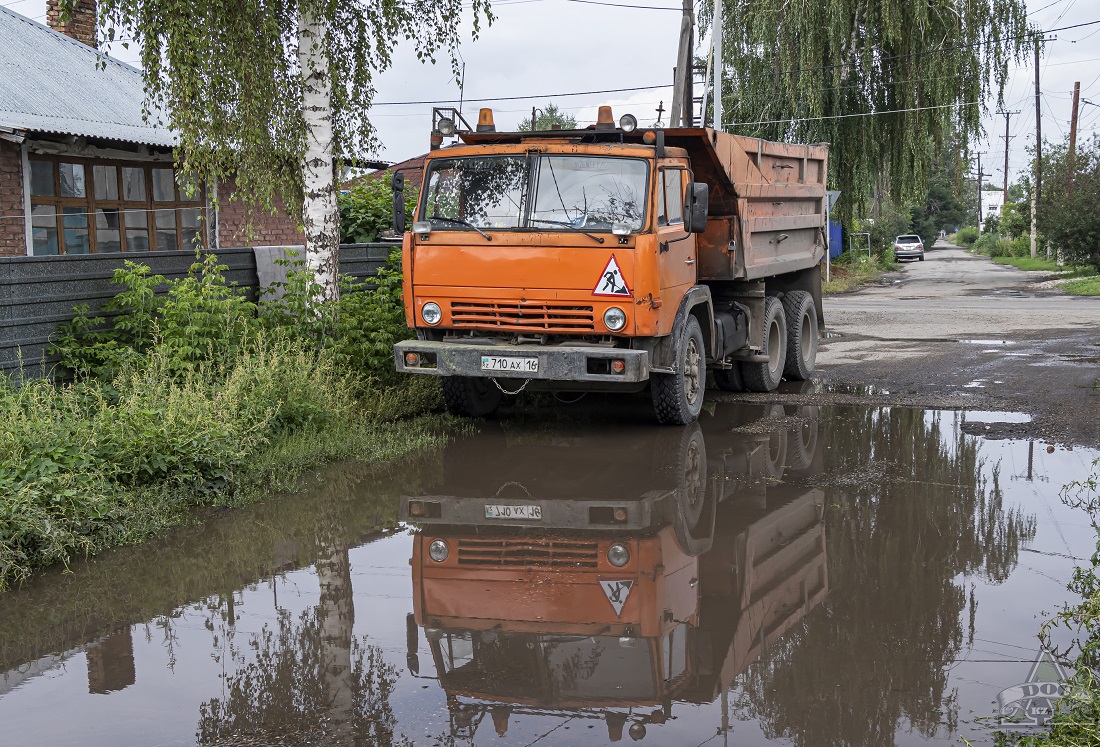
948,201
178,395
884,230
1016,218
1083,287
966,235
992,245
227,77
1069,209
803,75
547,117
366,209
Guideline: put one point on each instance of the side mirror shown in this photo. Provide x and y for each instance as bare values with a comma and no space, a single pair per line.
398,185
695,217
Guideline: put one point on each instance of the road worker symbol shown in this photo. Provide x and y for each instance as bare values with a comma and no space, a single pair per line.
617,593
611,282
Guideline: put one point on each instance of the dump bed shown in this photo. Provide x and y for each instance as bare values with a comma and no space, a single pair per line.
767,203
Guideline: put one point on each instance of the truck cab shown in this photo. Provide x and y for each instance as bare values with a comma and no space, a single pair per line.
613,259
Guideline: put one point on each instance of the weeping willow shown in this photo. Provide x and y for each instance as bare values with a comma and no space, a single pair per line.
888,84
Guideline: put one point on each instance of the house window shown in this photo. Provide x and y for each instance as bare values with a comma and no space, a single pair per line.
88,206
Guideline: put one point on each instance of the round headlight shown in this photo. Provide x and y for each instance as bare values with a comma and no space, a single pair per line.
614,319
438,551
628,123
446,126
431,313
618,555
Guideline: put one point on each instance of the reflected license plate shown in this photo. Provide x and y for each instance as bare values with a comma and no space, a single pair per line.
506,363
512,511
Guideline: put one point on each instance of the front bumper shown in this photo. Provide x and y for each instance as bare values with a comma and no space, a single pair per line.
556,514
556,363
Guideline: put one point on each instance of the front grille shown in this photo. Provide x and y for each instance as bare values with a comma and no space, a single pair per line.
545,553
522,317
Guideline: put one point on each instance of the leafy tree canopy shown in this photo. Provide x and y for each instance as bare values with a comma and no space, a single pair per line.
227,76
1069,207
830,71
549,116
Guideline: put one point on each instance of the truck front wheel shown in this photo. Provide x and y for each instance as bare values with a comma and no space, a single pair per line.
470,397
801,335
678,397
765,376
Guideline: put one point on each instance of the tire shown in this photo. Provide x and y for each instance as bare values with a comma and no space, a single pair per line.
798,306
922,257
729,379
470,397
678,397
765,377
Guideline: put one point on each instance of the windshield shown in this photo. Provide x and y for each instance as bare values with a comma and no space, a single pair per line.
529,665
536,192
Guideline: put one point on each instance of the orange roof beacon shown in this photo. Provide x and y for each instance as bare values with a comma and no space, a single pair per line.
612,259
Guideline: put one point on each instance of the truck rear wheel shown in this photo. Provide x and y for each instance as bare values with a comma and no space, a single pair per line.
801,335
678,397
470,397
765,376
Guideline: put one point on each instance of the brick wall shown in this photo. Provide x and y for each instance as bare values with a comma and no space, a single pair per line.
13,237
81,23
267,230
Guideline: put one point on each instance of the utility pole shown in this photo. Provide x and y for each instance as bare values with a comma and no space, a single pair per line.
682,97
1006,137
719,64
1073,132
981,177
1038,182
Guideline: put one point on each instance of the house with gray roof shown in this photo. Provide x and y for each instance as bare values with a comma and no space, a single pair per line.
83,170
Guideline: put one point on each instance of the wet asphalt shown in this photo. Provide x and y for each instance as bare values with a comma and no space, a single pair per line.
862,574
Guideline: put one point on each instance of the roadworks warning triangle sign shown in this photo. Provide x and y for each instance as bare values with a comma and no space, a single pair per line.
611,282
617,593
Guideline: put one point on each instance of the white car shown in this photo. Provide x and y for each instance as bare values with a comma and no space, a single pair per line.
909,246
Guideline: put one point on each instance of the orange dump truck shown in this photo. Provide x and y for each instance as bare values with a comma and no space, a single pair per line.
613,258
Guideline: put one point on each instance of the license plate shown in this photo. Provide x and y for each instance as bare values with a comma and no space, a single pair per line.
512,511
510,364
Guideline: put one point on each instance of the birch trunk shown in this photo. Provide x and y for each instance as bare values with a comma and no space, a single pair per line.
320,214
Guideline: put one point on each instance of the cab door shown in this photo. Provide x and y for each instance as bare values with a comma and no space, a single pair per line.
676,258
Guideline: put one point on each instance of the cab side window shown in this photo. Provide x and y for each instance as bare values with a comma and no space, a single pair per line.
670,197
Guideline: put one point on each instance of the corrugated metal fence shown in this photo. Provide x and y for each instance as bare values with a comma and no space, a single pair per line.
38,293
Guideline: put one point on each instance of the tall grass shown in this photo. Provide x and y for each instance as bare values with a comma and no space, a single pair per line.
196,398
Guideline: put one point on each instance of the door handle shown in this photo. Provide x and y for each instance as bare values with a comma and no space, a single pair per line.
689,261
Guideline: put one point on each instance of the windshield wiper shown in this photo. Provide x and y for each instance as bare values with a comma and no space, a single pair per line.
570,226
460,222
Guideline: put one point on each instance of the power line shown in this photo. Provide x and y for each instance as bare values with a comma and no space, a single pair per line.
742,77
622,5
861,114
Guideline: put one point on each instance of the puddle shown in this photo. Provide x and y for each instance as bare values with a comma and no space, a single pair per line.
986,342
990,416
773,575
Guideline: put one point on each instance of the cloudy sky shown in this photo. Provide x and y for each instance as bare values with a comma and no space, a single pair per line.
541,47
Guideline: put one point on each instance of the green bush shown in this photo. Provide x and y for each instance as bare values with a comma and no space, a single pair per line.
366,209
177,399
966,236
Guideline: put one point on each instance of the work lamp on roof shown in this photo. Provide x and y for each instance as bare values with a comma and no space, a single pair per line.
446,126
628,123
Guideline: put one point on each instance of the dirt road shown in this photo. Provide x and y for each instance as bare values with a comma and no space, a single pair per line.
960,331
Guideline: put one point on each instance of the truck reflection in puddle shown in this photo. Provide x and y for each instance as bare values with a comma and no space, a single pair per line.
612,608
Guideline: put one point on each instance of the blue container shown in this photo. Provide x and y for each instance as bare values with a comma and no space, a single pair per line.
836,240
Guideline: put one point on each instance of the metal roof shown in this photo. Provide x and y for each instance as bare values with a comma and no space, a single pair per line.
51,83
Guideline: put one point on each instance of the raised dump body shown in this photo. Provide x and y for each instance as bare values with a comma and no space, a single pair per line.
614,259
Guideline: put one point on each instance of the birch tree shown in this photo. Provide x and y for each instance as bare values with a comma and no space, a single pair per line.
266,93
891,86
